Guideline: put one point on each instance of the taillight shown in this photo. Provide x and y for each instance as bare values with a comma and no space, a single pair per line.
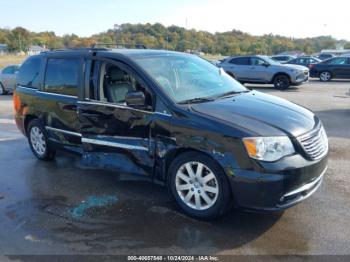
16,102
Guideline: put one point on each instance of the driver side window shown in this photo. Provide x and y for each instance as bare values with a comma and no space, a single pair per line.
257,61
115,83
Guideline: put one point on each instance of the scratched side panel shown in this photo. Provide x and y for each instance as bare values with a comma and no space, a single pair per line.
122,137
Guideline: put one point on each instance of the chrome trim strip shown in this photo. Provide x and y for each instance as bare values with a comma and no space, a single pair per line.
307,186
54,94
120,106
112,144
28,88
63,131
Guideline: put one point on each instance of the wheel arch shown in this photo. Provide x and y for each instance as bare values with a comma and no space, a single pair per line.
328,71
27,120
173,154
281,73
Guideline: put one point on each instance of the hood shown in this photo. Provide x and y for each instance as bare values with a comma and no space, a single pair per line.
260,114
297,67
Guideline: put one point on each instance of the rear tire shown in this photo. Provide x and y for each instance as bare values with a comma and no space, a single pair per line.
199,186
281,82
325,76
38,141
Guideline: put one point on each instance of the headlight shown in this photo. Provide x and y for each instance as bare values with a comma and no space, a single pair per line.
268,148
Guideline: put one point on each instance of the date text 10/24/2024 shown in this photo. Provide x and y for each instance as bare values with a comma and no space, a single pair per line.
173,258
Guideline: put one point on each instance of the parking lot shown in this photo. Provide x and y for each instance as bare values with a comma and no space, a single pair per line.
44,207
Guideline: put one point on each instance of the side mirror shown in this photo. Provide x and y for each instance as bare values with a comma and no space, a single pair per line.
135,99
266,64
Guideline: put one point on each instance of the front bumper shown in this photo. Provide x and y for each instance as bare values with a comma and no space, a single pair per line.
300,78
277,190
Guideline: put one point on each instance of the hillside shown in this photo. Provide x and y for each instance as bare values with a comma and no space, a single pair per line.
173,38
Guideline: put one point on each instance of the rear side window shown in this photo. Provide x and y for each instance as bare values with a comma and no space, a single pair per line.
28,75
240,61
338,61
62,76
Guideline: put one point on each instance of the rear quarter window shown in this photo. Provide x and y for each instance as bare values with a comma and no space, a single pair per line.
62,75
28,75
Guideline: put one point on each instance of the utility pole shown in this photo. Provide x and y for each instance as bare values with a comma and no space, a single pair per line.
117,29
20,42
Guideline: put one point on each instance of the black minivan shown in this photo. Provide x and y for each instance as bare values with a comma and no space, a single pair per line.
175,118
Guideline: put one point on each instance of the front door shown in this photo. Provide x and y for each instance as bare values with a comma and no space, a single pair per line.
258,71
115,135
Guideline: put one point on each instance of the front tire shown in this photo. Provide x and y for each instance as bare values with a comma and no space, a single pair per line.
281,82
325,76
38,141
199,186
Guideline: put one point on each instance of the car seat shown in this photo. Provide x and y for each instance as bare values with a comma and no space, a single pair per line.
116,86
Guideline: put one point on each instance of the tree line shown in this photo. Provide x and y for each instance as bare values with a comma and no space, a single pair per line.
173,38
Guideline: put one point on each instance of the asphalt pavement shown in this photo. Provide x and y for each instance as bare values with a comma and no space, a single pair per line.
63,207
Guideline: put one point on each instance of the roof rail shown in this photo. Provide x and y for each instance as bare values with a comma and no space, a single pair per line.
121,46
76,49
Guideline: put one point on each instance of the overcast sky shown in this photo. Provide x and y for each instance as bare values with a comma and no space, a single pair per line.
295,18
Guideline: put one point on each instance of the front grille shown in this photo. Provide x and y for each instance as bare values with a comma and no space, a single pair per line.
315,143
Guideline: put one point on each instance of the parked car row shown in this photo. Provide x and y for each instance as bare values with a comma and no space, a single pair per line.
282,72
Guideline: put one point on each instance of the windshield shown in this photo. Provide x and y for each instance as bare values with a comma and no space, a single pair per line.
186,77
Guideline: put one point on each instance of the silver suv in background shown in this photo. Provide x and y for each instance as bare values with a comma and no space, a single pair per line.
8,79
263,70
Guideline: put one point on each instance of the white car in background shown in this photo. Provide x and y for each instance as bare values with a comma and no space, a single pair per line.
8,79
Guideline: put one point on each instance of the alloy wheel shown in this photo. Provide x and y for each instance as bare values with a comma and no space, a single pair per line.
325,76
197,185
37,140
282,82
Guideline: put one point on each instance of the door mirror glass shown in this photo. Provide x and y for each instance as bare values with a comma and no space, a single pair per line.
135,99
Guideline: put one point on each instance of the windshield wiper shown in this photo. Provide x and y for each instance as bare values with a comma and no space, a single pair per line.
231,93
196,100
